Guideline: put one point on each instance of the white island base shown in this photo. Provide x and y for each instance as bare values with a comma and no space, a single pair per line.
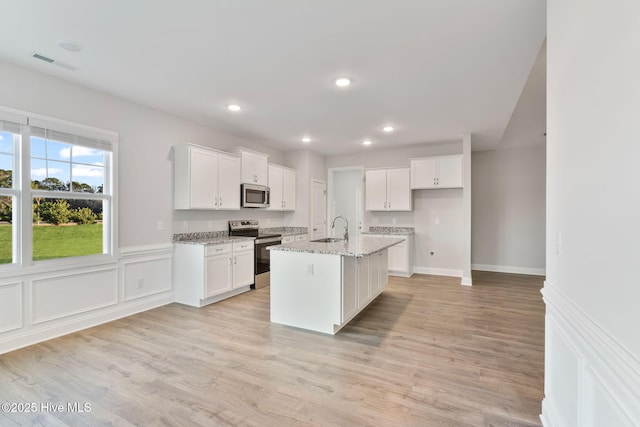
323,292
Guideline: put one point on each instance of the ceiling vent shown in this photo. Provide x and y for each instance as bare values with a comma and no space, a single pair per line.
43,58
54,62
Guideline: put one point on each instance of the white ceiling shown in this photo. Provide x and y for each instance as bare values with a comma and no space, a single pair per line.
434,69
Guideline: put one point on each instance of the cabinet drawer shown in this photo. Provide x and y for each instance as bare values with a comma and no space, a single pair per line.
243,246
218,249
301,238
288,239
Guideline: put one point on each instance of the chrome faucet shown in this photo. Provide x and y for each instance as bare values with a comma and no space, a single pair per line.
346,228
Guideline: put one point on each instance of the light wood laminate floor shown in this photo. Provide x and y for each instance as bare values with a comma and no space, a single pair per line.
427,352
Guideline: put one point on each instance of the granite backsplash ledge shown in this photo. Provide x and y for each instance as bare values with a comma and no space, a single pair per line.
285,231
391,230
204,235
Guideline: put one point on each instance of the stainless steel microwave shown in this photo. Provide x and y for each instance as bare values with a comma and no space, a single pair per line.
254,196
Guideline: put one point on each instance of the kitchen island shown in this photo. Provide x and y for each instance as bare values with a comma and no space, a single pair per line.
322,286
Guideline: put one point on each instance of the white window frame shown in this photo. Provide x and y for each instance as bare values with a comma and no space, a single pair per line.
23,195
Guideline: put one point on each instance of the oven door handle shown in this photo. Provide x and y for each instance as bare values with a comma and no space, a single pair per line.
269,240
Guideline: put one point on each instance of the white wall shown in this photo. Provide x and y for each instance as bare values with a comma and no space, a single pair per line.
140,277
347,193
145,140
592,372
308,166
444,238
508,210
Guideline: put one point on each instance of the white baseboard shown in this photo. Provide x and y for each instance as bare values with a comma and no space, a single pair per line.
589,375
438,271
140,281
95,318
509,269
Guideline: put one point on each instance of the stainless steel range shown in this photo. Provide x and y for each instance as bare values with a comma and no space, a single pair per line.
250,228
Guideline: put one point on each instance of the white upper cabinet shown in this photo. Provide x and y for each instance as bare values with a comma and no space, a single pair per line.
282,184
436,172
253,165
205,178
228,182
388,189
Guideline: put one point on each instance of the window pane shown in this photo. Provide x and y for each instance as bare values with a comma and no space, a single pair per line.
66,228
58,150
50,175
87,178
38,148
6,159
6,230
6,171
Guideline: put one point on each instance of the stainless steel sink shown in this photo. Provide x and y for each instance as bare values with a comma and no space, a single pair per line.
328,240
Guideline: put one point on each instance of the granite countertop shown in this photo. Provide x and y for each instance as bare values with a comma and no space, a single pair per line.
208,238
400,231
215,240
360,247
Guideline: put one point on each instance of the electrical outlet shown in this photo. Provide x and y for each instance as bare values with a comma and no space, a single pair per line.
437,221
210,223
394,220
310,269
160,225
432,253
140,284
375,220
185,224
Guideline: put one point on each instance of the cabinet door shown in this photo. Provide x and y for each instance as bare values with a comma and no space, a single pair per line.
228,182
254,169
363,281
203,179
398,257
243,273
376,190
289,189
383,277
217,274
349,287
275,186
450,172
260,170
374,273
423,173
399,190
288,239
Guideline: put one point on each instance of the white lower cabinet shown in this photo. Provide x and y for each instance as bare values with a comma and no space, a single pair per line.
217,270
363,279
203,274
364,293
400,257
243,264
294,238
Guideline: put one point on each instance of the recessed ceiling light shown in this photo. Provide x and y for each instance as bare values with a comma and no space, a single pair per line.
70,46
233,107
306,139
343,82
366,142
388,128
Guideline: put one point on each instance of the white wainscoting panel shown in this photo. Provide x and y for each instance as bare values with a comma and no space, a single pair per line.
10,306
42,305
591,380
65,295
146,273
